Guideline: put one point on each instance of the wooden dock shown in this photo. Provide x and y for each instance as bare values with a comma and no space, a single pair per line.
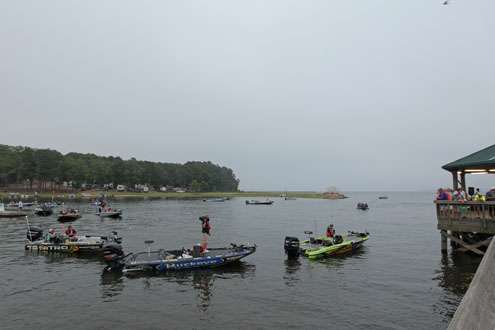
477,308
469,225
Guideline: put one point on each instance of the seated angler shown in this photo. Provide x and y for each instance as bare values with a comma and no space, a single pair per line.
71,232
51,236
330,231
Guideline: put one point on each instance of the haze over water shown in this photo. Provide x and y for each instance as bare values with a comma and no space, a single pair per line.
399,280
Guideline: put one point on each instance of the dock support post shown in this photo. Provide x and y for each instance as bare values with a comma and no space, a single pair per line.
443,235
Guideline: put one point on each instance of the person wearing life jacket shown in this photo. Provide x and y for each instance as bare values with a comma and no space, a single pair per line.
51,236
205,230
330,231
71,232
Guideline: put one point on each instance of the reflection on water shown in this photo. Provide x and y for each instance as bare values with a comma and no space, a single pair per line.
57,257
112,284
339,260
202,280
291,267
455,274
457,271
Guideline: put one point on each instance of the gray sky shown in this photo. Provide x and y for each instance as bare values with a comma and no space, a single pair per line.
297,95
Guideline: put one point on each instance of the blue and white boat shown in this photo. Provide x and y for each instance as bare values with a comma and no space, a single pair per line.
174,260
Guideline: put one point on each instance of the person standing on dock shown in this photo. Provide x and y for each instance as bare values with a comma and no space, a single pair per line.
478,197
442,195
205,230
460,195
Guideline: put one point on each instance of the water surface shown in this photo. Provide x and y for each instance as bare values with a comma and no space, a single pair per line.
399,280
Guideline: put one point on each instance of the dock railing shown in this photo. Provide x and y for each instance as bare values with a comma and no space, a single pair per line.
450,210
472,217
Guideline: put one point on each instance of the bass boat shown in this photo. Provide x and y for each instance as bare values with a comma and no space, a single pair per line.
173,260
68,215
362,206
43,210
254,202
11,214
320,247
110,214
80,244
215,200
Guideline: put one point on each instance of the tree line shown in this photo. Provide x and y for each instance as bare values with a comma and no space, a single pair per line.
24,164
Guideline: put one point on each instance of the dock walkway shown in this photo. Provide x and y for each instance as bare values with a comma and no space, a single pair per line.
477,308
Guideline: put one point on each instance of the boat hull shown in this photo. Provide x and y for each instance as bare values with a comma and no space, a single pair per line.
12,214
88,245
113,215
43,213
259,203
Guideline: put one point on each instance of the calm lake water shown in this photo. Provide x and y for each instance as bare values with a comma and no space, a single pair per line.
399,280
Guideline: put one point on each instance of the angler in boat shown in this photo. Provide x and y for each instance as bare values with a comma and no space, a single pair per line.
68,242
205,230
362,206
105,211
43,210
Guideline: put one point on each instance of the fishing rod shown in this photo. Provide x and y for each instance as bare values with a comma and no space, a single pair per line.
29,229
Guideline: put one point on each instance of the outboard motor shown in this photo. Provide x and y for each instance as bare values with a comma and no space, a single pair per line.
338,239
34,233
291,247
113,255
196,251
116,238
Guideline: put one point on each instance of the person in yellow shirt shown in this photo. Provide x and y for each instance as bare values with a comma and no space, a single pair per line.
478,196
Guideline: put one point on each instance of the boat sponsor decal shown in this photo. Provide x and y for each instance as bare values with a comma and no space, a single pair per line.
189,264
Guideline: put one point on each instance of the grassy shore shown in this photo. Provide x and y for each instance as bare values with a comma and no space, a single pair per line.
169,195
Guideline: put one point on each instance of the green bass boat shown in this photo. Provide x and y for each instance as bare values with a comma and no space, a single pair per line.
323,246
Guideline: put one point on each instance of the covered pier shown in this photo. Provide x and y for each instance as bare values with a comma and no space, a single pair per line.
468,225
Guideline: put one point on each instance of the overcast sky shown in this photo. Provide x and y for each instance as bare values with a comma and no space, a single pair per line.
296,95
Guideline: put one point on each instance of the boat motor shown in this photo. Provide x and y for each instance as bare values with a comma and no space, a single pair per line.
34,233
196,251
112,253
116,238
291,247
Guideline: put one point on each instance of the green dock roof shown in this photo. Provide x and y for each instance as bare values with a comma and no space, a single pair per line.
483,159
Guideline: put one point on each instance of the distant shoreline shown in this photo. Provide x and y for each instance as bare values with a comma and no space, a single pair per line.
166,195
